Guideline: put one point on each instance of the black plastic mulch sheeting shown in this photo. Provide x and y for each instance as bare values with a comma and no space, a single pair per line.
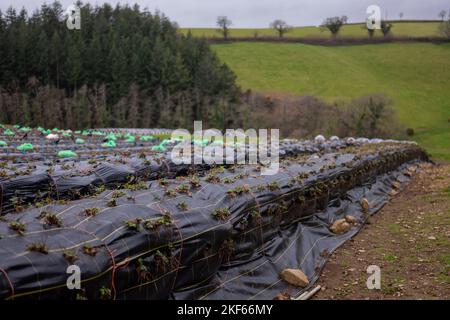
283,222
81,178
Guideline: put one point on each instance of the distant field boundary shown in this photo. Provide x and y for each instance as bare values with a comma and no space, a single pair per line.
329,41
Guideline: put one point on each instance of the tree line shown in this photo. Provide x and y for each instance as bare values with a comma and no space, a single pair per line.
124,67
332,24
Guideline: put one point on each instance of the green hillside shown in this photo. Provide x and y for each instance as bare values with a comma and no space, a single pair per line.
415,76
411,29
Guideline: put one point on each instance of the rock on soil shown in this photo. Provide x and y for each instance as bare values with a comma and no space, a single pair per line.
340,226
351,219
295,277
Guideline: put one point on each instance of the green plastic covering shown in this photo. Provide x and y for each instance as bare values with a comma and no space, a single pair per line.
24,129
25,147
203,142
130,138
8,132
159,148
109,144
79,141
78,132
111,137
85,133
47,132
16,126
3,143
66,154
66,135
146,138
164,143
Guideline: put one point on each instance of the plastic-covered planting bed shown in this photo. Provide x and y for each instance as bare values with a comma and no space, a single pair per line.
22,184
226,235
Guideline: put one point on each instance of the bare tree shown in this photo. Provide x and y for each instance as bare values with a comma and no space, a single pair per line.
334,24
386,28
444,29
224,24
401,14
281,27
442,15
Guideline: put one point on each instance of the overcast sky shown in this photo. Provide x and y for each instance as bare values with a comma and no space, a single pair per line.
259,13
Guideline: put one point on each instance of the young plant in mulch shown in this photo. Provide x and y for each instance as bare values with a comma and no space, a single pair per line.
221,214
165,220
256,216
142,270
18,227
52,219
301,200
182,206
90,251
43,202
302,176
112,202
74,194
163,182
239,190
134,225
91,212
212,178
184,189
162,260
149,224
70,256
277,208
118,194
66,166
141,185
273,186
170,192
17,204
227,249
38,247
81,295
142,155
243,223
3,174
105,293
195,182
99,190
228,180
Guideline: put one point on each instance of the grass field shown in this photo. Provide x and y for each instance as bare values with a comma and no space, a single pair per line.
411,29
415,76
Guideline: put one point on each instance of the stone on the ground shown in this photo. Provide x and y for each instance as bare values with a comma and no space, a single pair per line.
351,219
340,226
365,205
295,277
393,193
281,296
396,185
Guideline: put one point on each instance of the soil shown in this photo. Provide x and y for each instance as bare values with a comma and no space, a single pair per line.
409,239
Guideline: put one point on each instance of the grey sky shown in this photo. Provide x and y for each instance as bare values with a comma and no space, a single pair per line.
259,13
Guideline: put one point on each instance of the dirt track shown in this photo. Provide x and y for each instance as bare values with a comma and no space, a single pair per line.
409,240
